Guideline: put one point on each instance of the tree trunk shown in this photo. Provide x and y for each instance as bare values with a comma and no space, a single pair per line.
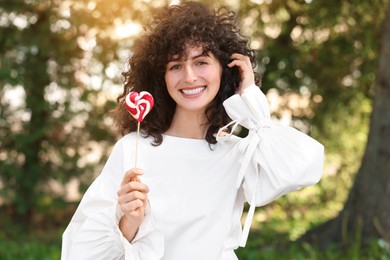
36,80
366,213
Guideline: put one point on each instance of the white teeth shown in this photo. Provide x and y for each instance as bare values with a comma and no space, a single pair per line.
193,91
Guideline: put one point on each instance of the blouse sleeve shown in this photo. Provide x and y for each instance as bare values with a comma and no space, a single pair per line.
275,159
94,233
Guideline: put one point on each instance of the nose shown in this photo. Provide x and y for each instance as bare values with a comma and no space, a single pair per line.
189,75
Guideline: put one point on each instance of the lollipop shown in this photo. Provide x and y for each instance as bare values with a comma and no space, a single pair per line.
139,105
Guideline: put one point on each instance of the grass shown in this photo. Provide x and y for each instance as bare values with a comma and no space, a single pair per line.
47,246
377,250
30,248
275,227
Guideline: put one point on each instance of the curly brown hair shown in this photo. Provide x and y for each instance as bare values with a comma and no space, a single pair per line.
171,30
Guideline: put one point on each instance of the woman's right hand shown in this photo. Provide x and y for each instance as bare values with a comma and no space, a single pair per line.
133,201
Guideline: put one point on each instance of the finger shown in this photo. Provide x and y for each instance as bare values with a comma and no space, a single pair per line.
128,197
132,173
238,56
132,186
132,206
243,68
135,178
137,186
239,63
242,61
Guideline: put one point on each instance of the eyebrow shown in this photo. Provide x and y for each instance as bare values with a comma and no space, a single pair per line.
203,54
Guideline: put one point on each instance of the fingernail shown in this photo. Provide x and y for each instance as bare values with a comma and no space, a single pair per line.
139,171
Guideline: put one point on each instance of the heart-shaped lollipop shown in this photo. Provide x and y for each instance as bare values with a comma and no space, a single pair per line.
139,104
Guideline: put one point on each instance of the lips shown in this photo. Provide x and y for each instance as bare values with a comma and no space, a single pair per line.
192,91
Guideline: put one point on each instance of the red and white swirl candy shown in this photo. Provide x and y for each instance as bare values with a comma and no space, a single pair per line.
139,104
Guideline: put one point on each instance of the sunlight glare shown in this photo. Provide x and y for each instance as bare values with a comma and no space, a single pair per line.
125,30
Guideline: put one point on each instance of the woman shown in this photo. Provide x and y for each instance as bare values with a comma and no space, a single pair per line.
185,200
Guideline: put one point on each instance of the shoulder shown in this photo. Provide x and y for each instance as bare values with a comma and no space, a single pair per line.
125,141
128,137
131,137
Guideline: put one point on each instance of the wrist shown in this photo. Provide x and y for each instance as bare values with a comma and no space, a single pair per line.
129,226
248,86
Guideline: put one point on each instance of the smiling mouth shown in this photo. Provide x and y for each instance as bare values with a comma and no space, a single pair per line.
192,91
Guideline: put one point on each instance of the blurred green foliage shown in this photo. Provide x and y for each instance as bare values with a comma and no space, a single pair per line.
30,248
47,247
53,115
60,64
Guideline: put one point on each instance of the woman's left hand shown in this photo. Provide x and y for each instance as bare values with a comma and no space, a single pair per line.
245,69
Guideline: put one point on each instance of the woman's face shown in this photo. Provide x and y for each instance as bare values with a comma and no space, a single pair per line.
194,80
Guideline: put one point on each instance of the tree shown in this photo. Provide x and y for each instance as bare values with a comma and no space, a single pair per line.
366,213
60,59
328,51
52,54
29,131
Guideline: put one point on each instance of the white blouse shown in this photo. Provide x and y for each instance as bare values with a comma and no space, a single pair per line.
197,194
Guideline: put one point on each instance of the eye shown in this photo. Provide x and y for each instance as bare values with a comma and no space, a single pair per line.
174,67
201,62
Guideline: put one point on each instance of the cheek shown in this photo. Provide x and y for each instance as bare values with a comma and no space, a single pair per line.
216,75
168,81
211,74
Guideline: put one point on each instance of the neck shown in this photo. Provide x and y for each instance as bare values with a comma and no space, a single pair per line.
188,124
